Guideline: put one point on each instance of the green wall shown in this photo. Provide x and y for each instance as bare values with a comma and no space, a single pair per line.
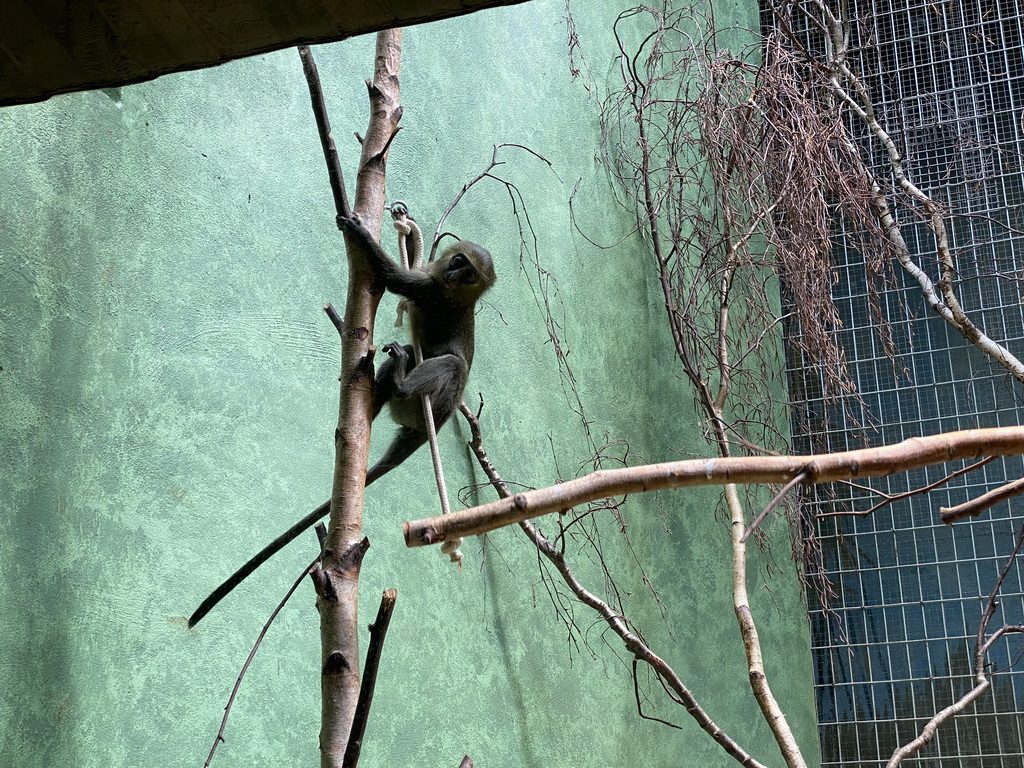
168,397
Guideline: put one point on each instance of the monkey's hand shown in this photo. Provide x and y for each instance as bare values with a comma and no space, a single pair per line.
396,350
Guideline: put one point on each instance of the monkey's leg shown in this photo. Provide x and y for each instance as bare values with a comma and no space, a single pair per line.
443,378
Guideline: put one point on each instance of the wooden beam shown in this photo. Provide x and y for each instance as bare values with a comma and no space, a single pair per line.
48,48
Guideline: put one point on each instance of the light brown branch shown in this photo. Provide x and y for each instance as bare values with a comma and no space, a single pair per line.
940,295
770,709
950,515
820,468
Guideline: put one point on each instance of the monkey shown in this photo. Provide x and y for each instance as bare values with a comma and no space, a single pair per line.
442,297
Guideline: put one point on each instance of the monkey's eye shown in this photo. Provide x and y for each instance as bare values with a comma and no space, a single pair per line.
458,260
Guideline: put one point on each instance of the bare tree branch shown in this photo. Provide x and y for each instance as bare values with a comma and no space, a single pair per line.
940,294
613,619
950,515
378,631
819,468
337,579
889,498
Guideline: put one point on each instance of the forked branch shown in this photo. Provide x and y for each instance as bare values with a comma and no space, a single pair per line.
337,579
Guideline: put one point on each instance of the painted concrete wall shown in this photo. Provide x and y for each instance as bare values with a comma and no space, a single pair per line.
168,395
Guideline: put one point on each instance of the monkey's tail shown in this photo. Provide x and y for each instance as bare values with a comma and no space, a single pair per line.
256,561
406,441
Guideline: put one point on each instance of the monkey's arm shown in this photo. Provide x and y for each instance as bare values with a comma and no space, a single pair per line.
257,560
413,283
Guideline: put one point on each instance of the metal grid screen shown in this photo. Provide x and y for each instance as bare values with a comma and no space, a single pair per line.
897,645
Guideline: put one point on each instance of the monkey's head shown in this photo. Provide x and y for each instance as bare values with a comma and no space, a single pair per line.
465,271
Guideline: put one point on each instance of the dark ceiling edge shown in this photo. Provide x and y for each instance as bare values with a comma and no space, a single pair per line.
91,85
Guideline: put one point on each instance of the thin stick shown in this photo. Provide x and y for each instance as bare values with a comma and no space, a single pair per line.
378,630
890,498
252,655
336,320
771,505
323,125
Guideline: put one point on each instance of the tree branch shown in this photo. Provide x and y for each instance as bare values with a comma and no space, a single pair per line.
378,631
337,579
950,515
819,468
615,621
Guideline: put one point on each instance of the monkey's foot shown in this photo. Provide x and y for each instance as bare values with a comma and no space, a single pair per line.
350,223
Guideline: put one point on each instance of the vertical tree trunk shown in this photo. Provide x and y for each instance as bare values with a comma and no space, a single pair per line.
338,579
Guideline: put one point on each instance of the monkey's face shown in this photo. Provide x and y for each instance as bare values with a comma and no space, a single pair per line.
466,270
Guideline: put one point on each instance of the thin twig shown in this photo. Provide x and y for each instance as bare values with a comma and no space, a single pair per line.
323,124
335,318
486,173
772,504
252,655
890,498
639,705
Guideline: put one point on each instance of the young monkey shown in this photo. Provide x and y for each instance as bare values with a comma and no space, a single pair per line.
443,296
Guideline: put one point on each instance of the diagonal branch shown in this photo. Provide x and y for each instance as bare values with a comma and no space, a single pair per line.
615,621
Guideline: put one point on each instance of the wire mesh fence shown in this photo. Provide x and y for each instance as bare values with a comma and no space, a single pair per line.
895,643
